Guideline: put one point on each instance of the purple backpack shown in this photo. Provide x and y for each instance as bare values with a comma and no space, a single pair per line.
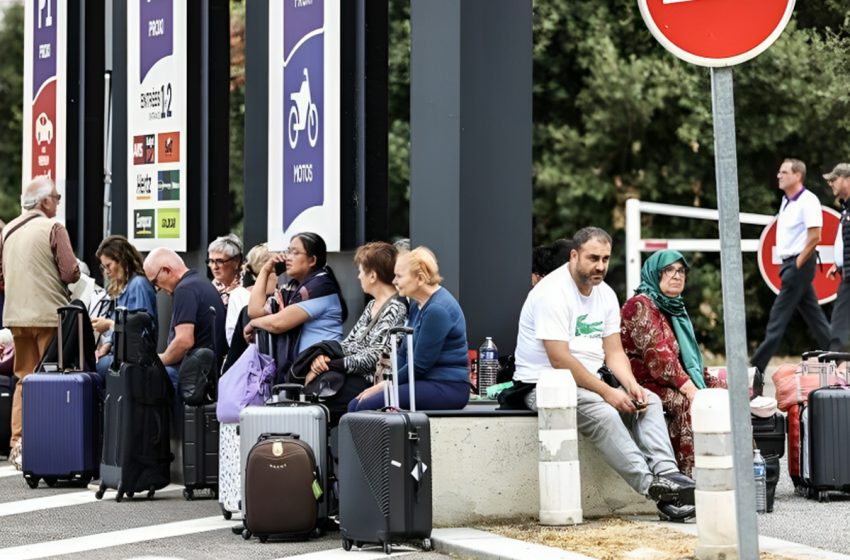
247,382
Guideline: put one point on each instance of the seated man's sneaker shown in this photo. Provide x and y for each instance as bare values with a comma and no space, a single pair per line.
670,511
672,487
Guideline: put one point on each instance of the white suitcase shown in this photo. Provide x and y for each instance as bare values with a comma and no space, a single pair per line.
229,469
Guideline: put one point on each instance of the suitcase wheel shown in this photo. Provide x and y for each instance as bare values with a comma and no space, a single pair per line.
316,533
50,481
151,492
427,545
236,529
119,496
226,513
189,494
346,545
131,495
32,482
823,496
388,548
264,539
246,534
100,491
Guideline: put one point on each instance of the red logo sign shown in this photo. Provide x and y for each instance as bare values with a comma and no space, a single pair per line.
44,132
825,288
716,32
168,147
144,149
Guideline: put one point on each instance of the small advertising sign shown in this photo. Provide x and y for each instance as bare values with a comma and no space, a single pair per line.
156,123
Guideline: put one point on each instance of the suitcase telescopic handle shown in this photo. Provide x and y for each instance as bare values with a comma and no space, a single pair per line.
269,435
393,389
60,343
833,357
813,354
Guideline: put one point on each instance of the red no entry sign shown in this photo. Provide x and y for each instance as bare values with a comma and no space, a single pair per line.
769,261
716,32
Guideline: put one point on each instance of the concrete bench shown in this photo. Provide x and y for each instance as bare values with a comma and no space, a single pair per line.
485,467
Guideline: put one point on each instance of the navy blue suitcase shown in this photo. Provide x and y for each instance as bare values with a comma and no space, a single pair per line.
61,421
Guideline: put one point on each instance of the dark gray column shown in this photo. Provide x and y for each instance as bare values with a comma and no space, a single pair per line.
256,166
471,77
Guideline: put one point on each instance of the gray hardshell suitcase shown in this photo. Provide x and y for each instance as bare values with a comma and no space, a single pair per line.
308,421
384,469
229,469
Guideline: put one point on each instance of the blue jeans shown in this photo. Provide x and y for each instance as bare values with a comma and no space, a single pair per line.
430,395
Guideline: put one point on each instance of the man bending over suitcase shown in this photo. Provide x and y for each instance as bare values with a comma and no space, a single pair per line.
571,320
192,325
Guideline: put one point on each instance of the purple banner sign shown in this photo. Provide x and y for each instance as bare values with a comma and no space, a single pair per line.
303,111
300,17
45,22
156,35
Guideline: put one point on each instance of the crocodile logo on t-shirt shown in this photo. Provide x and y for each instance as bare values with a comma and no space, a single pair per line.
587,329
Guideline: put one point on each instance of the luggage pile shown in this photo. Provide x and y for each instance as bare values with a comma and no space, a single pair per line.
818,420
137,412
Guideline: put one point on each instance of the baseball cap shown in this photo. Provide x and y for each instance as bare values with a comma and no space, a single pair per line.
840,170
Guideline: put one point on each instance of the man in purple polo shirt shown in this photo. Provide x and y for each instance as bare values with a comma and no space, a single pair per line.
798,232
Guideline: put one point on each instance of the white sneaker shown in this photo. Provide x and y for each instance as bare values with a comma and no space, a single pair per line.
16,456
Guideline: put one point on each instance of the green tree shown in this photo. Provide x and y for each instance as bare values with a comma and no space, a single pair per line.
11,108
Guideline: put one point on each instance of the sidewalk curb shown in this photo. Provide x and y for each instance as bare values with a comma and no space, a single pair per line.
774,546
474,543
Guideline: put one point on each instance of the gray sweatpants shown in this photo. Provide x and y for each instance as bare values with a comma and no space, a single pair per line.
637,446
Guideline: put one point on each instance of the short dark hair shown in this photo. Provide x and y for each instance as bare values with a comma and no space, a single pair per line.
378,257
584,235
541,260
561,252
797,166
314,246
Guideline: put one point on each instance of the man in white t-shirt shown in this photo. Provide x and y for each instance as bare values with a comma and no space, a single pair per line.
798,232
571,320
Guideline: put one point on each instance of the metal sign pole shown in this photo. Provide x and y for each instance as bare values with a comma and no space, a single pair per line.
726,169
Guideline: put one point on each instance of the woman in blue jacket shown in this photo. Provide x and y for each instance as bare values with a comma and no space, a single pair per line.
440,355
126,284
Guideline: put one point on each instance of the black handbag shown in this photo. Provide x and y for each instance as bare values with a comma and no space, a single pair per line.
609,377
198,377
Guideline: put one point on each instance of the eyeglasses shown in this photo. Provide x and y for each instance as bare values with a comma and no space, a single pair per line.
674,271
219,262
57,197
155,278
293,252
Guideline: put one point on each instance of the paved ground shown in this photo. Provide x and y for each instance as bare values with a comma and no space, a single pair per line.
67,522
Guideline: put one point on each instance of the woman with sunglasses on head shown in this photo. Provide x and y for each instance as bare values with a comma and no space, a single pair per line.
659,340
126,285
224,257
311,306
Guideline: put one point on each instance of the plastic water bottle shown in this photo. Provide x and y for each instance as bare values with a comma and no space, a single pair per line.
488,365
760,473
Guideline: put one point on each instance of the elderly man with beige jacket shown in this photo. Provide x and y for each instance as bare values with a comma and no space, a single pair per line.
37,263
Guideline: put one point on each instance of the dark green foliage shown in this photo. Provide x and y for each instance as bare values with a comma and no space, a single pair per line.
11,109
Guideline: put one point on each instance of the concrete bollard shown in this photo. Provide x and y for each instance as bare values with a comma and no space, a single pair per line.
715,477
560,482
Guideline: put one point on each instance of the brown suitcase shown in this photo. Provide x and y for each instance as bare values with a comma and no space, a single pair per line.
281,489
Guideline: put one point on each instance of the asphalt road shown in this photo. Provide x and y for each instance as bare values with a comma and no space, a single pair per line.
68,522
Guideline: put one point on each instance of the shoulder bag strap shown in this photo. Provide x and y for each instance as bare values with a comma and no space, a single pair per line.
8,233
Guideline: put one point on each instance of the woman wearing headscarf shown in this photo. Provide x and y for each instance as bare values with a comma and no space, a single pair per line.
659,340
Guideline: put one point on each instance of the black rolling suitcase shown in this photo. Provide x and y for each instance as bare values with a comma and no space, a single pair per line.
136,416
200,450
825,424
384,469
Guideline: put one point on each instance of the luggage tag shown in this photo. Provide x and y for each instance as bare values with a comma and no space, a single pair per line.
317,489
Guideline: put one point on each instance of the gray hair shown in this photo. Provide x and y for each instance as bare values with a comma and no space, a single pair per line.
36,191
584,235
797,166
229,245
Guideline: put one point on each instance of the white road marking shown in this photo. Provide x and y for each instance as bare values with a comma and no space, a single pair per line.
675,1
10,470
63,500
115,538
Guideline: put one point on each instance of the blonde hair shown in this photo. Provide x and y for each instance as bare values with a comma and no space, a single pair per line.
257,257
423,263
